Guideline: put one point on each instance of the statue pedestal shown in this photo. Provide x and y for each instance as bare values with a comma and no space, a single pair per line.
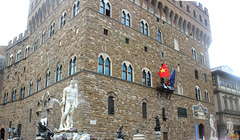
39,138
138,137
70,135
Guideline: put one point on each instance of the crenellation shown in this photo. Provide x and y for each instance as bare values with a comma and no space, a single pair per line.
20,36
15,39
9,42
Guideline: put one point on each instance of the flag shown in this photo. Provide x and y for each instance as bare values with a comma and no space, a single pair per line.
163,72
172,79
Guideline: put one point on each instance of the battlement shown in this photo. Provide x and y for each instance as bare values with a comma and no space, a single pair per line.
16,39
200,6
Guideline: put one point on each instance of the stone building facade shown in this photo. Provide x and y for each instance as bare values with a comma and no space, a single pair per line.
226,93
115,50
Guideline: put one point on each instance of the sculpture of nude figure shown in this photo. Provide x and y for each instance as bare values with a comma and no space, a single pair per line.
68,104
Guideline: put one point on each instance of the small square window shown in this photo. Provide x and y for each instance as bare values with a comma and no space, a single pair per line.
105,32
158,19
127,41
145,48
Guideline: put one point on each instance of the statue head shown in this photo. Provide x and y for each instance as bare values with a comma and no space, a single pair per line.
73,83
211,116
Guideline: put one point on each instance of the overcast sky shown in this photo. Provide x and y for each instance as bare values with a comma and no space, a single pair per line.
224,21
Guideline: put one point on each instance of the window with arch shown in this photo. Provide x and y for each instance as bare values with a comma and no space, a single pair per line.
5,98
10,61
38,85
194,54
105,8
144,27
159,36
146,80
14,93
111,105
22,93
59,73
126,18
144,110
18,58
104,64
198,93
204,78
206,96
63,19
43,36
30,88
76,7
47,80
127,71
51,29
27,50
180,88
73,65
202,58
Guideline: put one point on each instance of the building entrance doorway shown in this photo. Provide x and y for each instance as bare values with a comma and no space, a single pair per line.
2,134
201,131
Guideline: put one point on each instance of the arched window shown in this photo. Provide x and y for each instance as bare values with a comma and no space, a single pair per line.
194,54
10,61
63,19
146,29
22,92
78,7
124,72
206,96
100,65
5,98
47,81
108,9
43,37
107,67
59,73
18,58
14,95
142,27
111,105
144,110
38,86
144,77
128,20
202,58
102,7
27,49
129,73
123,17
198,93
52,28
30,88
204,78
148,79
74,10
72,65
159,36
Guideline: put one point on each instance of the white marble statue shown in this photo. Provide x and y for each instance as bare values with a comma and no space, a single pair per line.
68,104
213,130
229,128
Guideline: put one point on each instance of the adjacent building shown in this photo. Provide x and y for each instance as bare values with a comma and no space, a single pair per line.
227,95
115,49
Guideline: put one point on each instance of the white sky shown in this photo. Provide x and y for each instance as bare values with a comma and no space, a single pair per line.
224,21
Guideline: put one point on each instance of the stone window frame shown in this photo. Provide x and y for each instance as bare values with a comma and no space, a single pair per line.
47,78
52,29
159,35
128,64
144,30
105,3
14,95
18,55
207,99
111,105
38,85
35,46
72,67
194,54
144,108
5,100
27,50
62,19
105,57
10,60
147,71
22,92
126,19
43,38
75,8
198,93
30,91
58,72
202,58
204,78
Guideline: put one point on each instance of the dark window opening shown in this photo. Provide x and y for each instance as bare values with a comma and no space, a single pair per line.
127,41
145,48
111,105
105,31
196,74
164,114
144,110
